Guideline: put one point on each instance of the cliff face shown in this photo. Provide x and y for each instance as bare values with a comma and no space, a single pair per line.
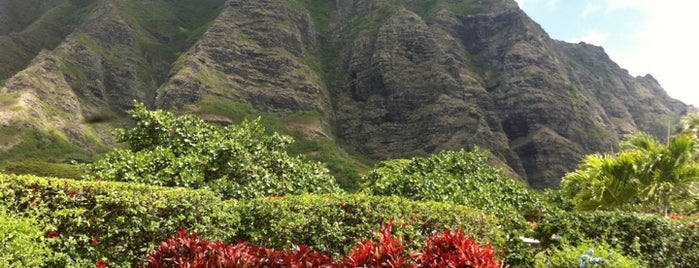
385,79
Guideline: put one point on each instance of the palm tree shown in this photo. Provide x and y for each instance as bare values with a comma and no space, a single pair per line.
656,175
667,172
607,182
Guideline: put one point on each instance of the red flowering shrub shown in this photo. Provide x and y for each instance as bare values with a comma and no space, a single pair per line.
388,252
453,249
101,264
677,217
52,234
442,250
188,251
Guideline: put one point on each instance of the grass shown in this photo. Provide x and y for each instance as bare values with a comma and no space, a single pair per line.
39,145
427,9
166,28
42,168
44,32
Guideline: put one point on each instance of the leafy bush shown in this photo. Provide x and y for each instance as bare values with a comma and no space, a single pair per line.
463,177
655,240
187,250
332,224
453,249
585,254
21,242
448,249
387,252
117,222
238,161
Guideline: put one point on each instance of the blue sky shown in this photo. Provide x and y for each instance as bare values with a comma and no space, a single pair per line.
643,36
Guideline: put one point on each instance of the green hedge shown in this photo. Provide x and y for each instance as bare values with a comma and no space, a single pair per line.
21,242
334,224
121,222
462,177
117,221
658,241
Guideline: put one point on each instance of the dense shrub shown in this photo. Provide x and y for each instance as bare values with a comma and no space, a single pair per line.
655,240
187,250
238,161
466,178
21,242
463,177
388,251
89,221
453,249
585,254
333,224
448,249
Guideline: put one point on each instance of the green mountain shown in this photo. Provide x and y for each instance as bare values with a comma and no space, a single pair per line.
353,81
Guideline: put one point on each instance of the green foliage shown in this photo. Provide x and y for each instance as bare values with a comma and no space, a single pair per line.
559,199
657,241
604,181
237,161
343,164
689,125
463,177
43,169
21,242
121,222
333,224
645,176
587,252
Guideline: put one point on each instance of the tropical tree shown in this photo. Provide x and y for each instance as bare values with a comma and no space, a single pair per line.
646,175
668,171
604,181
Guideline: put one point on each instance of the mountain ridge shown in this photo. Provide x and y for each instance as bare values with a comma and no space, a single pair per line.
353,81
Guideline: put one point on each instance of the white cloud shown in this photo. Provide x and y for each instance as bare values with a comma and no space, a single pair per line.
592,36
552,4
615,5
591,8
666,46
663,43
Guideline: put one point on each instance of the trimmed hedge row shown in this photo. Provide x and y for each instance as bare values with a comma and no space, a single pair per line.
334,224
21,242
658,241
86,221
89,221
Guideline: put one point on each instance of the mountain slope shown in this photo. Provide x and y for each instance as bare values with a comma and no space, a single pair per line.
353,81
